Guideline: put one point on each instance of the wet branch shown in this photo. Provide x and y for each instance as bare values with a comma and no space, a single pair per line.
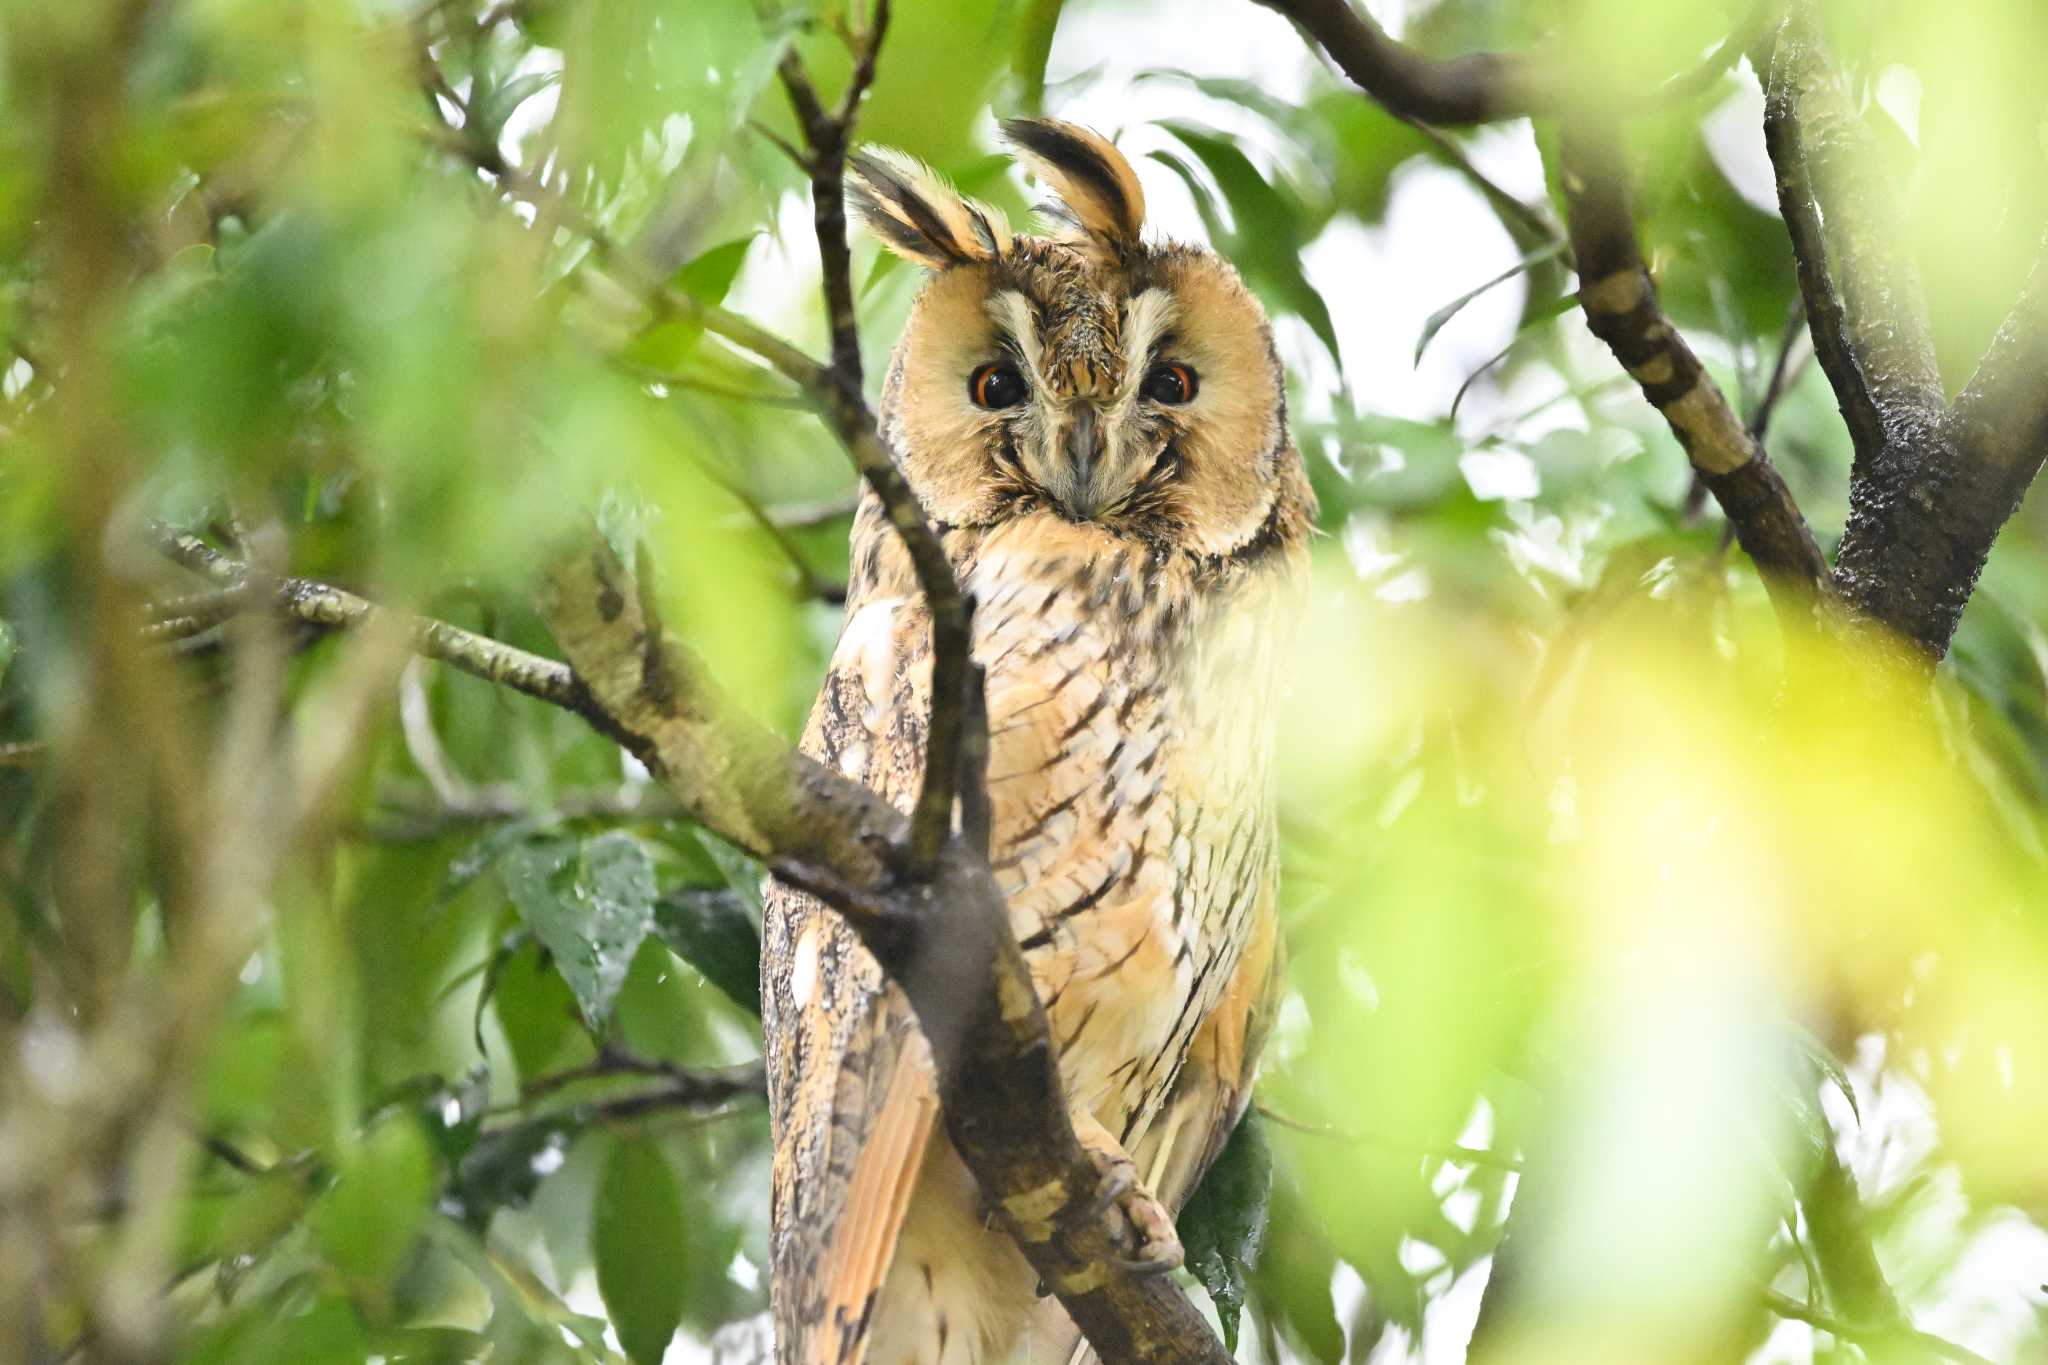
1621,308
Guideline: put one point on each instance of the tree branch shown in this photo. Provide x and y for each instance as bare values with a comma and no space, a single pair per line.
1481,87
1476,88
944,938
1931,485
1862,291
302,599
1620,304
826,138
834,391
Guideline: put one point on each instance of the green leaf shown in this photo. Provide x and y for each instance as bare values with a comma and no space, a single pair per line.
1224,1223
1271,225
1548,251
637,1234
591,905
709,928
498,103
367,1220
707,278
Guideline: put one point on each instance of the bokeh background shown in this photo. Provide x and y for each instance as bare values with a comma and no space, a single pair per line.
354,1009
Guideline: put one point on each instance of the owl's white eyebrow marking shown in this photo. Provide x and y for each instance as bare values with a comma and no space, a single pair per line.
1014,314
1147,316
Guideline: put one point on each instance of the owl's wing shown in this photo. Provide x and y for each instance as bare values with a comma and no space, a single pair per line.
851,1090
1215,1082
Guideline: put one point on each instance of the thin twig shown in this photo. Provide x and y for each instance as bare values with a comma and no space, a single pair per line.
1783,372
687,1085
1533,220
302,599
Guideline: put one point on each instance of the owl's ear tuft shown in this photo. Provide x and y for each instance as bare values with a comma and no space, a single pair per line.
917,215
1098,192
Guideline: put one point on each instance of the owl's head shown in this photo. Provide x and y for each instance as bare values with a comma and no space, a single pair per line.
1118,382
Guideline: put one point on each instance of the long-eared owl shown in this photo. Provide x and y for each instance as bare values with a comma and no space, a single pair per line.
1096,427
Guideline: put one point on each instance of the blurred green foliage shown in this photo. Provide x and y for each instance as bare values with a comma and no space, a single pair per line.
338,997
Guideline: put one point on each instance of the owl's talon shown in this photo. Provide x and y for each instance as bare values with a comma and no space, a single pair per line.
1164,1261
1145,1231
1112,1185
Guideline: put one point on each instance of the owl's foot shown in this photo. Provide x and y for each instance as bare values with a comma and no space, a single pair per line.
1144,1233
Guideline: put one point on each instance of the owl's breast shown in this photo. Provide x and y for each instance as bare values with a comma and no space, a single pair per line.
1128,781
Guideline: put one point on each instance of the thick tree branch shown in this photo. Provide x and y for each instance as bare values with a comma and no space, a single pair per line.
1621,307
944,938
1862,290
1932,485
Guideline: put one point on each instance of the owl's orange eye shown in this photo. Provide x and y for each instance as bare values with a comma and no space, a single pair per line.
996,386
1170,383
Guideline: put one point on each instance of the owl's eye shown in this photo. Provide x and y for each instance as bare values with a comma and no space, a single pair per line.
1169,383
996,386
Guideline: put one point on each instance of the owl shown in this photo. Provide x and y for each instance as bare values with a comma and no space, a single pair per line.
1096,428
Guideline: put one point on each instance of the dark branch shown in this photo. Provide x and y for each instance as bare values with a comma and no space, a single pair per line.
1481,87
1862,291
1783,373
1476,88
1620,304
826,137
1932,485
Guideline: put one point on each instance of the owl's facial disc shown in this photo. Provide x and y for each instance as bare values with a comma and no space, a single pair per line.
1088,392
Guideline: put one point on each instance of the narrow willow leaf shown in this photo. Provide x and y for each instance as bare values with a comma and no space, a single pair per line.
1549,251
1556,308
1830,1068
590,904
637,1233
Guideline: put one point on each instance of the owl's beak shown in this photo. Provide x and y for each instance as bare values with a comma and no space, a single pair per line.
1084,453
